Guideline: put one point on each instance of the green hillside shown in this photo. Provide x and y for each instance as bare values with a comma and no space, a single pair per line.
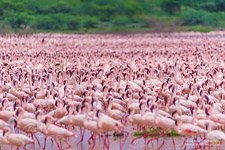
111,15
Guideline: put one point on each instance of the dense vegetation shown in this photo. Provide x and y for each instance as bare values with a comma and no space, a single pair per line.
111,15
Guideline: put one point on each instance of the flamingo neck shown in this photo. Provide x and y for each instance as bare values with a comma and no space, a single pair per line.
5,104
110,106
21,115
72,94
118,84
192,90
86,117
161,77
177,129
143,110
22,81
104,94
30,82
168,104
209,127
96,105
156,113
42,86
132,113
12,130
101,75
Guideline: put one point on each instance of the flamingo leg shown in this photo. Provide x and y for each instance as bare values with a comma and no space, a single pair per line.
220,146
152,142
145,137
107,142
127,134
209,146
120,144
133,140
82,136
24,147
45,142
52,140
174,145
58,145
104,144
89,140
93,139
157,140
68,144
151,139
196,143
33,140
37,140
184,143
164,135
99,138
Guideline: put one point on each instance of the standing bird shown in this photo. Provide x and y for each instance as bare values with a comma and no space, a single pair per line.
16,138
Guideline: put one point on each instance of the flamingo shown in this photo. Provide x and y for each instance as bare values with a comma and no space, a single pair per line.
91,124
108,124
114,113
148,80
15,138
57,132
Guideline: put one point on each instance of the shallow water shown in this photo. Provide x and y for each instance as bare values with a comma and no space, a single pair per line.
114,143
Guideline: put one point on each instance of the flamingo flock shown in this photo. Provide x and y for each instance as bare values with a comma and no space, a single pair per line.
60,87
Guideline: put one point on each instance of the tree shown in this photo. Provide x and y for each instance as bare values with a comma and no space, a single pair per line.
171,6
220,5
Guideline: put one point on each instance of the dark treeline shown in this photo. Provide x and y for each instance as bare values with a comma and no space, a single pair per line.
111,15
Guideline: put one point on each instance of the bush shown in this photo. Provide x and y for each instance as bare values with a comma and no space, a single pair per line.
121,21
208,6
89,22
46,22
73,24
105,15
129,22
62,8
129,8
201,29
1,11
194,17
19,20
220,5
171,6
